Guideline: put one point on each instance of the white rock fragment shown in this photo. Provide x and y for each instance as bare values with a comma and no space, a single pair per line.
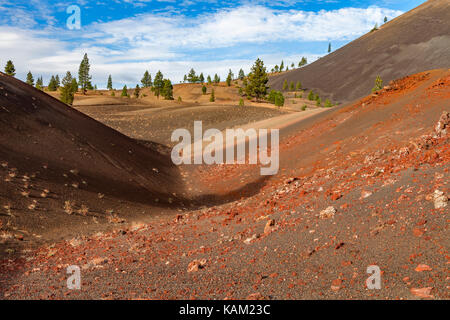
328,213
440,199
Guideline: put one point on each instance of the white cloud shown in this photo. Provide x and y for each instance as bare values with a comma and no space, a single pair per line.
127,47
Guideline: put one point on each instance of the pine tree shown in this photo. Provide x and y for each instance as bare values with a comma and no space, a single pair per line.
67,93
146,80
74,85
110,84
241,74
167,91
311,96
257,80
292,87
303,62
185,79
137,91
282,66
158,84
52,84
299,85
30,79
39,83
209,80
328,104
84,79
329,47
10,70
285,85
216,79
385,19
277,69
229,78
204,90
124,91
378,84
201,79
57,81
192,76
212,98
279,100
241,103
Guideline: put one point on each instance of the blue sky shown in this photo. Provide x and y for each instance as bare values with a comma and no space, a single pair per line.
126,37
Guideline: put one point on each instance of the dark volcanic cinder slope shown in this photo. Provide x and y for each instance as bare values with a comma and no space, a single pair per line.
414,42
51,153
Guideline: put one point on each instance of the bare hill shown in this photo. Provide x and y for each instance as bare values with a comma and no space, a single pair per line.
415,42
51,153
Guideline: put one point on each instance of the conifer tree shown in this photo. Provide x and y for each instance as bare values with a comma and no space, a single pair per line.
212,98
378,84
137,91
216,79
158,84
229,78
192,76
39,83
329,47
204,90
10,70
124,91
52,84
292,87
30,79
74,85
146,80
167,91
57,81
285,85
209,80
303,62
257,80
282,66
241,74
110,84
299,85
201,79
67,93
84,79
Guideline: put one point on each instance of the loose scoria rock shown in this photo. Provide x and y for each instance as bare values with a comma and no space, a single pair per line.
327,213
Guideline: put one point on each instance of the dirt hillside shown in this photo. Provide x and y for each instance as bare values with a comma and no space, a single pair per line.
362,185
60,168
415,42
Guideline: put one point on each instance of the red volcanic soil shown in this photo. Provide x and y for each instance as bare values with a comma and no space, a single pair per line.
416,41
362,185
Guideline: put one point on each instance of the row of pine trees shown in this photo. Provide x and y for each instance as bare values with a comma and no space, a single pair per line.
254,85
